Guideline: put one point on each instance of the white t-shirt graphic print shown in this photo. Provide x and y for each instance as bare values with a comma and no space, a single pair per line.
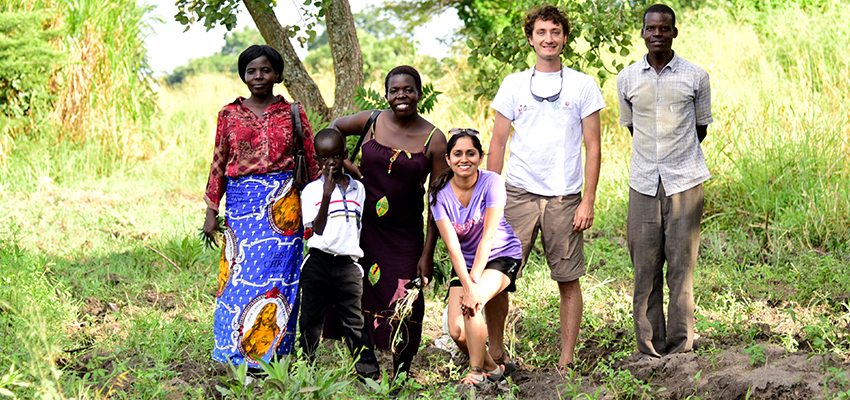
545,149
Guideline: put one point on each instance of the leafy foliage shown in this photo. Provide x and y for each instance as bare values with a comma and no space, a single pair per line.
499,45
27,61
224,61
236,41
370,99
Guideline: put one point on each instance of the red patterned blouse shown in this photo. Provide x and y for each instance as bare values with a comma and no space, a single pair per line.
247,144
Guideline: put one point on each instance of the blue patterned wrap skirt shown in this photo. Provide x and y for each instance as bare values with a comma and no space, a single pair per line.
257,306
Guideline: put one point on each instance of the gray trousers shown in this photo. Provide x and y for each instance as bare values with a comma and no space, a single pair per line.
660,229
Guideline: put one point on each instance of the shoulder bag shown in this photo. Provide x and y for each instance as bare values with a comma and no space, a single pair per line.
365,132
300,171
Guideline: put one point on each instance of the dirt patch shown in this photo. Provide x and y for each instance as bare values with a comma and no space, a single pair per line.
162,301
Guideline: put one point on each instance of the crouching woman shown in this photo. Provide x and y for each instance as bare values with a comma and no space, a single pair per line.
468,206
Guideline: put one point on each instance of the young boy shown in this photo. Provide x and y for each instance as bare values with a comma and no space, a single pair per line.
330,275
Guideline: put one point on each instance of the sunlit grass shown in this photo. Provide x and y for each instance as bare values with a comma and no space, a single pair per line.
83,224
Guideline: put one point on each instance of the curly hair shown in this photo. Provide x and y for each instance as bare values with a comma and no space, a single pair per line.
547,13
256,51
406,70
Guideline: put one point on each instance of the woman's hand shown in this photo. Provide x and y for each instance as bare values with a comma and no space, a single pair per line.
352,169
425,269
470,301
211,223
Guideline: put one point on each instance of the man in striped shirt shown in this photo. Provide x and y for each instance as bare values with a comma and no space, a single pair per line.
665,102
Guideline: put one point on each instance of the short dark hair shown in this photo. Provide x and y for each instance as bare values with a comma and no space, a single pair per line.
406,70
547,13
661,9
256,51
328,134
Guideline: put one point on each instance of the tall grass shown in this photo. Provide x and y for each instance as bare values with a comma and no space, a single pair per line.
779,142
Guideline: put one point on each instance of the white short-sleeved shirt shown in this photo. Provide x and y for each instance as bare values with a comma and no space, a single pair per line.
545,149
342,230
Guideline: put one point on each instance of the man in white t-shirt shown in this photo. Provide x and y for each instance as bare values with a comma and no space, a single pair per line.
552,108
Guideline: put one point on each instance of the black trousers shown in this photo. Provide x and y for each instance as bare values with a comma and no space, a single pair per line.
326,280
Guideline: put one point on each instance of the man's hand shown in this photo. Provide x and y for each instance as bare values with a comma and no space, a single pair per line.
583,218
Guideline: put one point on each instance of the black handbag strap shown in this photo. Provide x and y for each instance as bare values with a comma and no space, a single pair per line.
295,111
369,123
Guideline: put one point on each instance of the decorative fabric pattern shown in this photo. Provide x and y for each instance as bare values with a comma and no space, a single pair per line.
374,274
257,306
247,144
382,206
228,255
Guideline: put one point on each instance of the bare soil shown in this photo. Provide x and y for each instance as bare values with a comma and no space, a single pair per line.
717,369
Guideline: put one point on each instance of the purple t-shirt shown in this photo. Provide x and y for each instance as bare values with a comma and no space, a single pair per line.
489,191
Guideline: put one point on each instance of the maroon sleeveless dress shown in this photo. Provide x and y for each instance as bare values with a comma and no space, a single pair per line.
393,239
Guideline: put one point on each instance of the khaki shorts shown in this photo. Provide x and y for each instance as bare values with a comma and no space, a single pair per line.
528,214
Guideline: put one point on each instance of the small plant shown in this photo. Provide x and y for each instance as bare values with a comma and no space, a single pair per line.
294,377
400,387
237,386
12,378
186,253
624,385
211,243
756,353
841,379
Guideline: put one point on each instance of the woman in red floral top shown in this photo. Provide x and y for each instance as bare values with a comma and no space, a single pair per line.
252,163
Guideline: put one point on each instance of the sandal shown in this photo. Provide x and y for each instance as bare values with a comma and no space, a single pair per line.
499,376
507,366
474,382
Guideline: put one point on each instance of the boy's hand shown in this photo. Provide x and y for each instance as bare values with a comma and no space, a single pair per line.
329,182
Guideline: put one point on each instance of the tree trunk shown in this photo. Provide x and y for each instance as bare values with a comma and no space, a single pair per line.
348,59
295,76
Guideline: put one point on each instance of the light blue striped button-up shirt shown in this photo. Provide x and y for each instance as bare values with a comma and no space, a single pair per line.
664,110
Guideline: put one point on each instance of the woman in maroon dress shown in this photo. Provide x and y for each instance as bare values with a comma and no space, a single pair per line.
400,151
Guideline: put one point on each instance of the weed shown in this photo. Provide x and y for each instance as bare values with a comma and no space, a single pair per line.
756,353
238,386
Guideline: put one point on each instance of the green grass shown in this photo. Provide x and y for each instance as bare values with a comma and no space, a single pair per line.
88,303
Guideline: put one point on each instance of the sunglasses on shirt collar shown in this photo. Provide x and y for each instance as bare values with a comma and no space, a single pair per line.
551,98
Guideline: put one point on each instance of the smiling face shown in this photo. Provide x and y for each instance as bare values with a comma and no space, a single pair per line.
548,39
402,94
260,76
658,32
464,158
